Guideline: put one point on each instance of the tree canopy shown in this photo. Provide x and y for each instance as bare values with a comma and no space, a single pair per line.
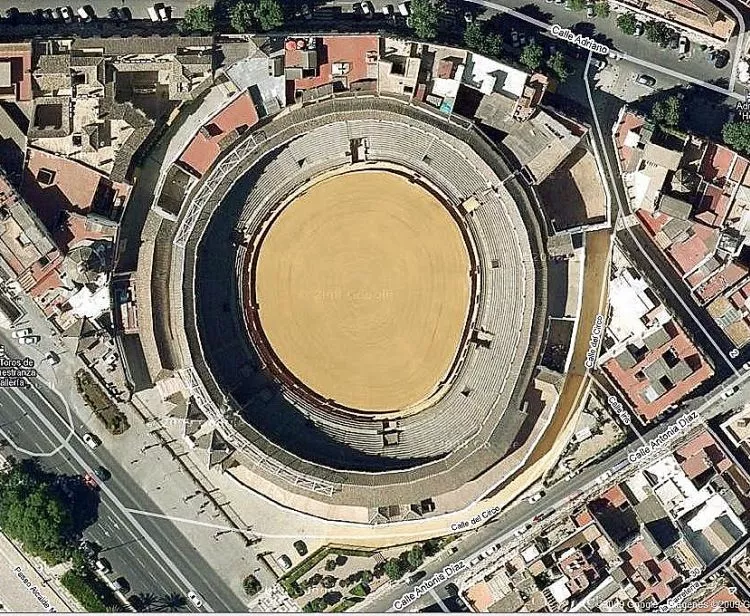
601,9
737,135
668,111
425,17
198,19
531,56
626,22
558,66
658,32
241,16
270,14
478,39
35,514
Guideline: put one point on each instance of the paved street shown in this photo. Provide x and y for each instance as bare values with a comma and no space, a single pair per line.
128,541
501,529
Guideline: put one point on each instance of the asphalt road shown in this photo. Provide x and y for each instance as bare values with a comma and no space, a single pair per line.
500,530
130,542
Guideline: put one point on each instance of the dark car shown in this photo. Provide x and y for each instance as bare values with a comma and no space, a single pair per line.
102,473
48,15
415,577
121,584
114,13
301,547
13,15
721,58
646,80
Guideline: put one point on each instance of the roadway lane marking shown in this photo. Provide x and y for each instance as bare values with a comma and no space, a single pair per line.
106,490
625,56
438,600
616,178
32,454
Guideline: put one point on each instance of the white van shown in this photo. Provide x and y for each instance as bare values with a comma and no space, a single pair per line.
153,14
403,8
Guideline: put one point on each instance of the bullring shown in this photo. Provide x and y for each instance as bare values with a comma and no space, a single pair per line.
461,442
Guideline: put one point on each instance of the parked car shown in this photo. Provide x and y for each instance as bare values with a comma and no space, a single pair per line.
52,358
86,13
102,565
468,17
728,393
67,14
48,15
522,38
301,547
102,473
13,15
415,577
92,440
514,38
404,8
306,12
195,599
536,496
90,482
638,28
721,58
121,584
366,9
285,562
646,80
29,340
387,10
590,13
164,13
684,44
598,63
57,13
21,333
153,13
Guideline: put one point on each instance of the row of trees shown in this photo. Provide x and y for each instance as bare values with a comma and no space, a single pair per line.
655,31
244,16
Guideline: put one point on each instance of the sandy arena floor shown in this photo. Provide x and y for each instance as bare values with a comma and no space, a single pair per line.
363,286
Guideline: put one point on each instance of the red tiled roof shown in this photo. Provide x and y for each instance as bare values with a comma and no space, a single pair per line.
716,164
583,518
634,388
722,600
693,251
630,122
19,55
615,496
205,147
351,49
75,187
725,278
739,169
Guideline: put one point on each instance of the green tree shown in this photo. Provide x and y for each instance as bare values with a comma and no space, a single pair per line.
241,16
360,590
88,590
657,32
627,22
394,569
198,19
32,513
558,66
366,576
478,39
425,17
601,9
270,14
576,5
415,557
251,585
531,56
668,111
330,564
329,581
737,135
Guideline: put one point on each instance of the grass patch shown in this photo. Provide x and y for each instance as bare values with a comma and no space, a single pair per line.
113,418
289,581
88,590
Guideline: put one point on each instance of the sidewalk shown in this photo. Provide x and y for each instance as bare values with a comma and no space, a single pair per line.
28,585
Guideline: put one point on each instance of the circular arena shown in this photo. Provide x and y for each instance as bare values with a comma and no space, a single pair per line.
362,285
362,304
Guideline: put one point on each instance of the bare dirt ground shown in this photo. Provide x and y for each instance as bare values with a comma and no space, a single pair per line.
573,195
363,286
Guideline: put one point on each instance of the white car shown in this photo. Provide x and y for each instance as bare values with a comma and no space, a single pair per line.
729,392
468,17
387,10
535,497
366,9
195,599
102,565
489,551
22,333
404,9
29,340
92,440
52,358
